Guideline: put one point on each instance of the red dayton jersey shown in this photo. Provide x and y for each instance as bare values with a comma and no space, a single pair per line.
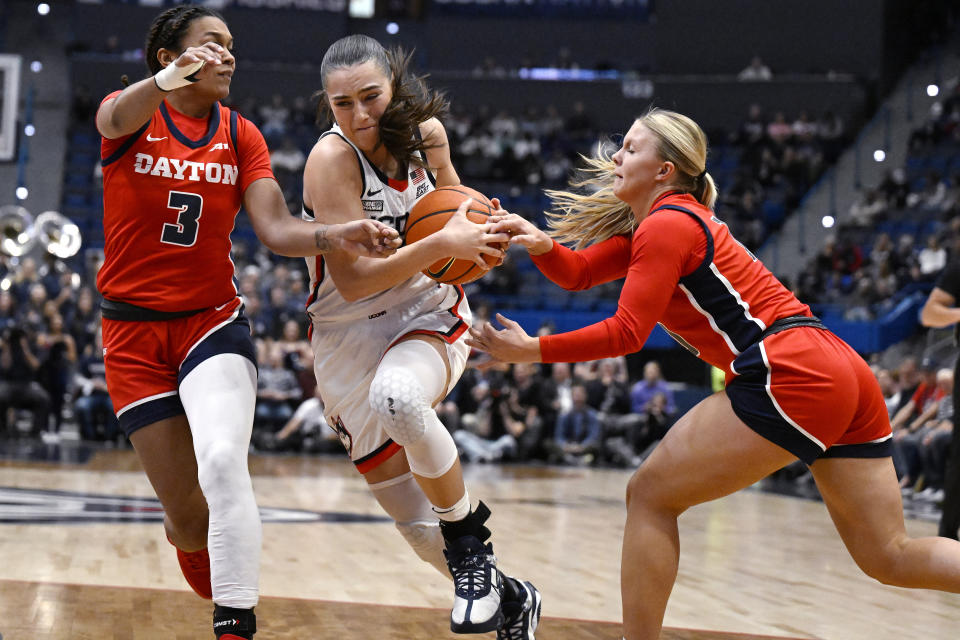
171,192
683,269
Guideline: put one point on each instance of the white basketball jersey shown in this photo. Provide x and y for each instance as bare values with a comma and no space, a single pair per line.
388,201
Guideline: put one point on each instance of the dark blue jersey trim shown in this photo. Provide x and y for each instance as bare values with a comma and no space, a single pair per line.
212,127
116,155
234,116
715,298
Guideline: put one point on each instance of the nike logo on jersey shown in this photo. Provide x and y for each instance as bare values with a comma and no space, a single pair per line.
150,138
178,169
371,192
220,145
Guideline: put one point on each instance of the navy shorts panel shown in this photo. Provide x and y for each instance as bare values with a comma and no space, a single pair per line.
880,449
232,338
754,405
150,411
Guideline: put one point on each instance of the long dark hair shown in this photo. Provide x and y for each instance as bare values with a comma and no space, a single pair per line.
413,102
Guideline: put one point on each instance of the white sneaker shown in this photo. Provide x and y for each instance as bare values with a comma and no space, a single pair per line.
523,625
477,586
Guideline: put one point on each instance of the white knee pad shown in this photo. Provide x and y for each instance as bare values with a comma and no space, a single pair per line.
411,376
398,398
405,502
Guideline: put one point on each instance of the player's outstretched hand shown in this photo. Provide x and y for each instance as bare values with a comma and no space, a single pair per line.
521,231
470,240
368,238
510,344
186,69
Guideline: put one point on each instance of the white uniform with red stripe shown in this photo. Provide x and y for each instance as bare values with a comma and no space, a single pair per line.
350,338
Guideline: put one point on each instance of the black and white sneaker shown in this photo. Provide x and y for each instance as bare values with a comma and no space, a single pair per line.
478,586
522,624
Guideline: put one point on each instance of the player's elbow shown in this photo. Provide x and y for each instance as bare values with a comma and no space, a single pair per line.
928,317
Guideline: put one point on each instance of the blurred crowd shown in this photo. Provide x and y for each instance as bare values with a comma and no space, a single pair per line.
900,233
52,374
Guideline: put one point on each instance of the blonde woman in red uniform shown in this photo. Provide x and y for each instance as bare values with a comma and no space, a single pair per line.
794,390
180,365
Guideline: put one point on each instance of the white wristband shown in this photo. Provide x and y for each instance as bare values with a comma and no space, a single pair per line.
173,77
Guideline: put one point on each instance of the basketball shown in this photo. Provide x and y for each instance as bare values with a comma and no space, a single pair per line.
431,212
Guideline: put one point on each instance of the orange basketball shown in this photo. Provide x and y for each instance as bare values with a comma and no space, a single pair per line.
428,216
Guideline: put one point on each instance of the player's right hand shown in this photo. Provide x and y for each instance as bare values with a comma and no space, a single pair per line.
368,238
469,240
521,231
183,71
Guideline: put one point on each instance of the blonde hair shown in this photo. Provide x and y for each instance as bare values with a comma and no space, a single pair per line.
591,213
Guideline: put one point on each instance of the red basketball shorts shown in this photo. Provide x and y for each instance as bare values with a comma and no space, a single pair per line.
811,393
146,360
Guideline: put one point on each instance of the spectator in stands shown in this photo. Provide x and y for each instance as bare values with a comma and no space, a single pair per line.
609,392
924,396
275,118
559,388
921,445
277,391
658,419
287,160
84,322
8,310
895,188
830,131
868,208
307,430
890,387
779,130
482,436
932,258
909,377
92,404
651,384
522,412
56,370
932,195
755,71
577,436
19,388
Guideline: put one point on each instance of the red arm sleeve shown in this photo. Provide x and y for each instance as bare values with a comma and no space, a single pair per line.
579,270
253,154
664,248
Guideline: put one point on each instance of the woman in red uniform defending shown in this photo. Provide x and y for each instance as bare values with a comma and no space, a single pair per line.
180,364
794,390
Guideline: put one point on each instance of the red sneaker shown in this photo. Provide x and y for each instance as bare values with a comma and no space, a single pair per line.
195,566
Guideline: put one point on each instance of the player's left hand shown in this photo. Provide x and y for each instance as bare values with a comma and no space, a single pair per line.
368,238
510,344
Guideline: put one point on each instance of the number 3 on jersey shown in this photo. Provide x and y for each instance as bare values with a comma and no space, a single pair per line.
184,232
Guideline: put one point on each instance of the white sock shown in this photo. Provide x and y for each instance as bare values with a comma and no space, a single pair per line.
457,512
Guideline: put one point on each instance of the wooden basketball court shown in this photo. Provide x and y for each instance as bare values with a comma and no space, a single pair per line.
82,555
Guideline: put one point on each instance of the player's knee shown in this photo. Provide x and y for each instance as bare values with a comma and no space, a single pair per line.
646,490
884,564
426,541
397,397
221,465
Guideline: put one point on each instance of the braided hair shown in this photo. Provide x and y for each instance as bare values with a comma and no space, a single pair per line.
167,32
